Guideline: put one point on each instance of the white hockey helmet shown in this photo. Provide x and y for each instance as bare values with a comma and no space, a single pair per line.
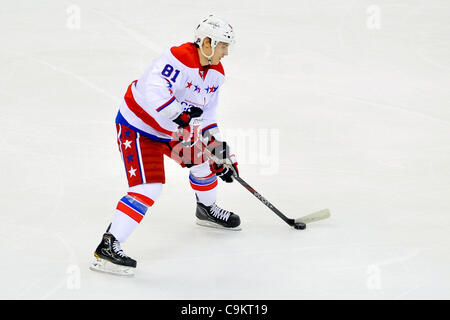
216,29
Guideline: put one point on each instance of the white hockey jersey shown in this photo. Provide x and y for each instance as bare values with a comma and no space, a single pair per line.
176,77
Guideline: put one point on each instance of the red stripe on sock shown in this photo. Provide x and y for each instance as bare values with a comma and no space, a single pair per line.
208,176
204,188
145,200
136,216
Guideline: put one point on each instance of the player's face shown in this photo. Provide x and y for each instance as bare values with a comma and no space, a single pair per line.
220,51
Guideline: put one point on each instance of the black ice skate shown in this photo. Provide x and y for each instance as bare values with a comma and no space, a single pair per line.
216,217
110,257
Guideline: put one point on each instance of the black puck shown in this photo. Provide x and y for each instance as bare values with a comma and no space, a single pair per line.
299,225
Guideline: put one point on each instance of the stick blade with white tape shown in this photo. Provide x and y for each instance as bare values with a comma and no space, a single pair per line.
315,216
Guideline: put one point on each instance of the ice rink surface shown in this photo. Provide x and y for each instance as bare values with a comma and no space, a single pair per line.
345,104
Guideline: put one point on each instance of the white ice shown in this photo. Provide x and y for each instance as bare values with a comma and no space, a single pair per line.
348,104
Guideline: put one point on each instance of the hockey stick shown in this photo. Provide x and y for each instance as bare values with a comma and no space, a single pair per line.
299,223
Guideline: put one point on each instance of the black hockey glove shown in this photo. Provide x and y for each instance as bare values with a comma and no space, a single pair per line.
221,151
185,117
184,134
223,172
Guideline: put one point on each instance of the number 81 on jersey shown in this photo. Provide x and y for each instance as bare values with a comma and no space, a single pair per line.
167,72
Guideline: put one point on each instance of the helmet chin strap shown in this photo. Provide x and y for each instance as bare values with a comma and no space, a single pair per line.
207,57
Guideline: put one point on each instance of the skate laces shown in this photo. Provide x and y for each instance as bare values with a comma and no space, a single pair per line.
219,212
118,250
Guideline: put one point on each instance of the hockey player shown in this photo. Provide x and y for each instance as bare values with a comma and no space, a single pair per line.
171,110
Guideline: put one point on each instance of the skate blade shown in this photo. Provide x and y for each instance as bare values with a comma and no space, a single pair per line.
210,224
102,265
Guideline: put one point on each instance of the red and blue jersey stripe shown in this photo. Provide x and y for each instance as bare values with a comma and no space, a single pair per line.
142,114
165,105
214,125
